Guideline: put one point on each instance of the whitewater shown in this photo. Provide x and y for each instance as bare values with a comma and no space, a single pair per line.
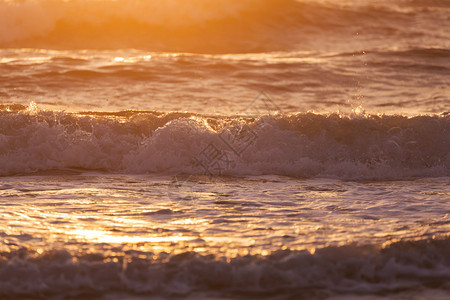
224,149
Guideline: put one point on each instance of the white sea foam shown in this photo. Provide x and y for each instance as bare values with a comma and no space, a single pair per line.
357,270
299,145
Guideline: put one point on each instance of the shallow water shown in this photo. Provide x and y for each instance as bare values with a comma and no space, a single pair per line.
146,234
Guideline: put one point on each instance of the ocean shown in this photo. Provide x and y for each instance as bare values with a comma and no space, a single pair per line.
228,149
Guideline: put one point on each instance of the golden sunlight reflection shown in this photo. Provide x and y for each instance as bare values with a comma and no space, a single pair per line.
100,236
101,219
189,149
190,221
132,59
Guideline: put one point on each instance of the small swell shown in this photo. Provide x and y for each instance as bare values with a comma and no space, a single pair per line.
354,147
156,25
182,26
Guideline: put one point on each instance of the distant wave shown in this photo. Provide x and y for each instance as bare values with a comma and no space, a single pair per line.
410,267
298,145
189,25
56,66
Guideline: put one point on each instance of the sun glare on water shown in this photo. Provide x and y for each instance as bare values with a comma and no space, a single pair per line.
99,236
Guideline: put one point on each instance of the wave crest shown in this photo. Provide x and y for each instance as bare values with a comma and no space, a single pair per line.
298,145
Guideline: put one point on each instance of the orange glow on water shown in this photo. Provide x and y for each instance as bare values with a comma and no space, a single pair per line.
180,26
100,236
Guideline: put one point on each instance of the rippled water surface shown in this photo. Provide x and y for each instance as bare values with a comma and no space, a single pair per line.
262,149
229,216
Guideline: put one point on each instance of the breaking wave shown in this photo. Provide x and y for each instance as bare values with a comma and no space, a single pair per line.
402,267
306,145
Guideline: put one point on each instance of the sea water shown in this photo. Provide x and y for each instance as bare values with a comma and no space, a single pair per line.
227,149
